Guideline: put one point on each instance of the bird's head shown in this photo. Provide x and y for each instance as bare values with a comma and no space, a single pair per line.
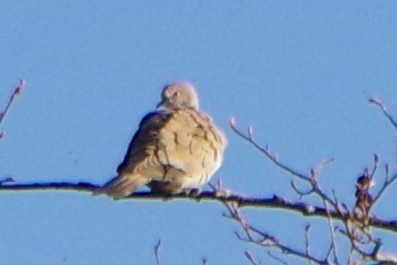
179,95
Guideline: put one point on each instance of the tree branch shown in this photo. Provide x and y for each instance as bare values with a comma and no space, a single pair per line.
255,236
18,90
311,179
384,111
275,202
265,150
156,252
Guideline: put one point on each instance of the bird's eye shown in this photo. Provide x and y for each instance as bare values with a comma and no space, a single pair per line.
175,94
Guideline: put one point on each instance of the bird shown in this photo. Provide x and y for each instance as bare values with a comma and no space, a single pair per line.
176,149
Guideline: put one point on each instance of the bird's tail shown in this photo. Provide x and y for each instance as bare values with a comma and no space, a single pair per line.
121,186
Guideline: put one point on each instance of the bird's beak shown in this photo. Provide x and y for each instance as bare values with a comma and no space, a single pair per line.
160,105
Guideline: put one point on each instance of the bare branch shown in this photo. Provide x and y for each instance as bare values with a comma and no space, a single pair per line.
256,236
311,179
333,247
307,243
277,258
251,258
383,109
265,150
156,252
386,184
18,90
276,202
358,223
374,167
300,192
65,186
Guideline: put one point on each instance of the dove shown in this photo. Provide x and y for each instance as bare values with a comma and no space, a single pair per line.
177,148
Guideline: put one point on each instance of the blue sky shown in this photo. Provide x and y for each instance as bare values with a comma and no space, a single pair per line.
300,73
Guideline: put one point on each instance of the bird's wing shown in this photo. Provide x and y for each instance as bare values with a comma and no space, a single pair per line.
141,157
140,163
181,147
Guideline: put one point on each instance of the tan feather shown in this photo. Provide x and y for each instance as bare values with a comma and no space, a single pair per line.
174,149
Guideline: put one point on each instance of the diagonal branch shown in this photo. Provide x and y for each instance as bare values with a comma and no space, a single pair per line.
251,258
310,179
383,109
265,151
156,252
257,237
18,90
386,184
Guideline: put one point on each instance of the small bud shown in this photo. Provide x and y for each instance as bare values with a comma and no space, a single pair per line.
7,180
377,102
219,183
250,131
232,121
309,209
376,158
223,193
374,100
20,88
372,183
250,257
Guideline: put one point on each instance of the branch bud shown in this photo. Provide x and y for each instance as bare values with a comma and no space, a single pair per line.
20,88
250,131
376,158
232,121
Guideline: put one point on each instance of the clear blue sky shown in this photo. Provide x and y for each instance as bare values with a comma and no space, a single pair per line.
299,72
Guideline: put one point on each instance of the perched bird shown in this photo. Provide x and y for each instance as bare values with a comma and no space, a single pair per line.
176,148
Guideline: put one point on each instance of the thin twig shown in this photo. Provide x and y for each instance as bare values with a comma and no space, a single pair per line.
351,255
374,167
17,91
265,151
312,179
300,193
251,258
386,184
256,236
156,252
307,244
355,236
383,109
277,258
333,246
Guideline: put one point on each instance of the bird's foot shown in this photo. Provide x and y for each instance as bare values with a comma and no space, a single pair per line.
194,193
